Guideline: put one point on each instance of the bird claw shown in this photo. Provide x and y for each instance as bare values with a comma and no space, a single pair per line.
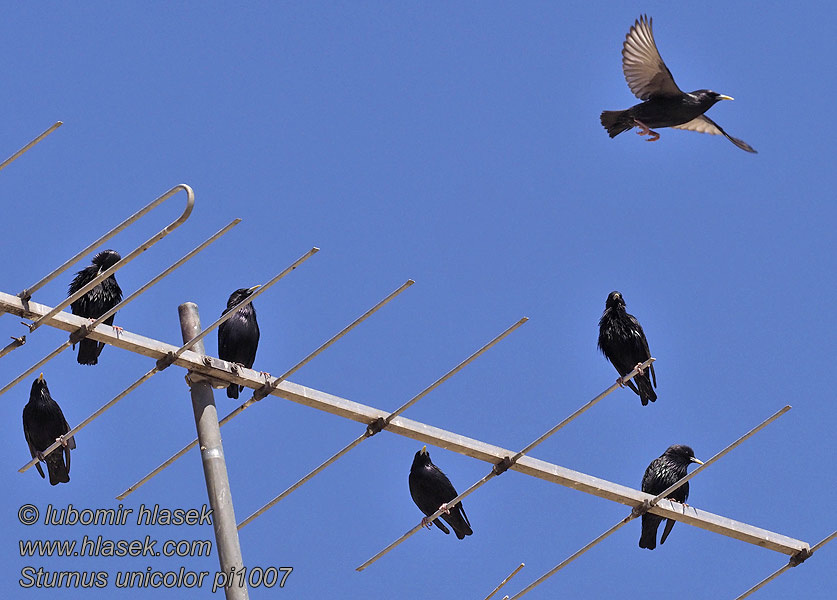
639,369
620,382
265,374
60,439
40,456
444,508
117,330
653,136
425,522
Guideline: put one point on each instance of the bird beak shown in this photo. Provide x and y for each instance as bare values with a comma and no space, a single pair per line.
723,97
254,288
41,377
424,449
695,460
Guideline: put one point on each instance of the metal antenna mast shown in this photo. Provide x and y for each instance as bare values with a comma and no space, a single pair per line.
212,458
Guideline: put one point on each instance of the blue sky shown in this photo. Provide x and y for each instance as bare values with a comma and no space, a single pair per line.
457,144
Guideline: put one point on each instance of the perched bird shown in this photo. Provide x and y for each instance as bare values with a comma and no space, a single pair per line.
104,296
662,473
623,343
430,489
238,336
664,104
44,423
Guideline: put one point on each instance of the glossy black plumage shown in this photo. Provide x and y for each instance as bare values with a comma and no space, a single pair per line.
43,422
662,473
238,336
430,488
664,103
622,341
96,302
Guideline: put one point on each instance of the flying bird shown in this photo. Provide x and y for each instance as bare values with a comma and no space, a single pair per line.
431,489
43,424
662,473
663,103
104,296
623,343
238,336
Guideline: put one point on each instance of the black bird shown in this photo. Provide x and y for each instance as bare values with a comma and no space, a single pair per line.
430,489
238,336
43,423
623,342
662,473
96,302
664,104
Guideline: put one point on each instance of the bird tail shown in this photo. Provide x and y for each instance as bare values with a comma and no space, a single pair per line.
89,351
616,121
646,391
441,526
232,390
667,529
459,521
650,523
58,471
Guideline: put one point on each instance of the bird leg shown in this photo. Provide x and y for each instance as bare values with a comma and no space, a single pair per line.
40,456
60,439
444,508
619,381
425,522
645,130
117,330
266,375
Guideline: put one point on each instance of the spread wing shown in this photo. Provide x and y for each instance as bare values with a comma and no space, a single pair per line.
704,124
645,71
